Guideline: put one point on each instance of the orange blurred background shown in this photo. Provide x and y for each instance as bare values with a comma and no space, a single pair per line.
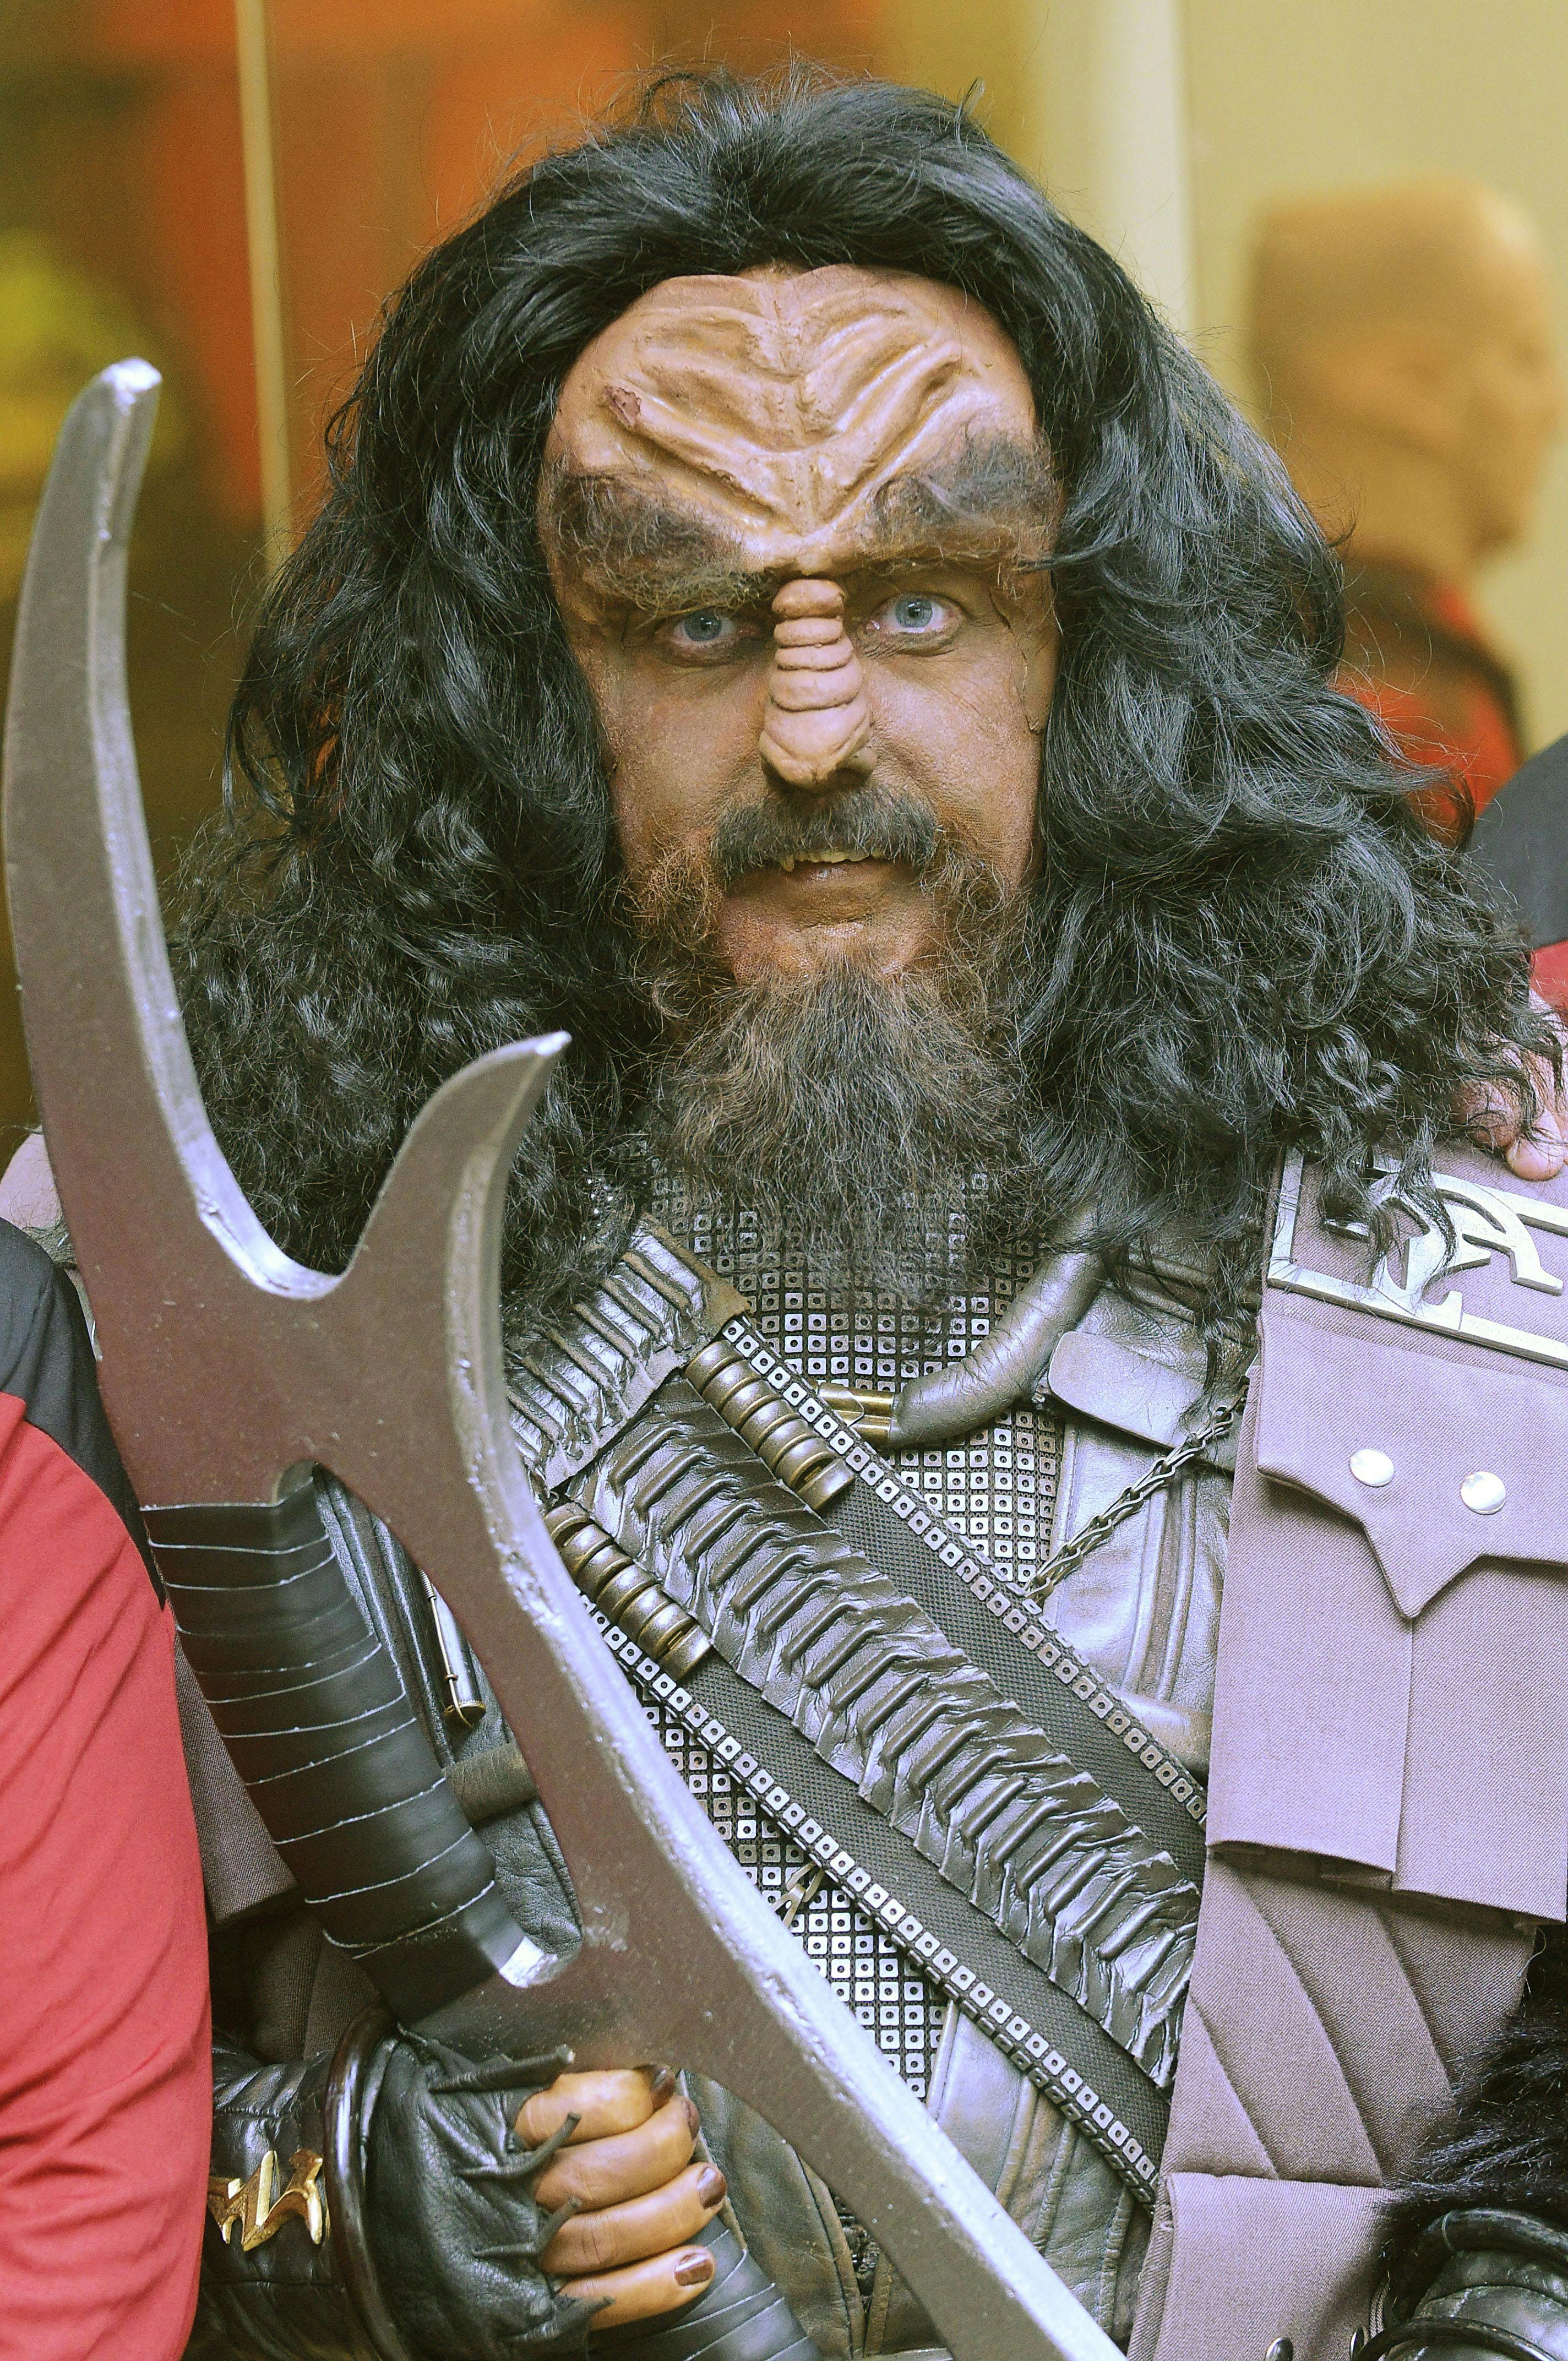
123,228
173,172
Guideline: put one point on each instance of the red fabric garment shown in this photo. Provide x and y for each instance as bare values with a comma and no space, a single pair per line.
105,2083
1483,752
1417,657
1549,975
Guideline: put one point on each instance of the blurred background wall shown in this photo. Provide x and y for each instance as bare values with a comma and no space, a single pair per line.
1164,125
1271,100
1322,94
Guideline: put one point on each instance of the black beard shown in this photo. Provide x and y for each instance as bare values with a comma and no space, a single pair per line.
847,1109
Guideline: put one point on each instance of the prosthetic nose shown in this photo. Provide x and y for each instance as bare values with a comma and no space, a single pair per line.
818,724
231,1373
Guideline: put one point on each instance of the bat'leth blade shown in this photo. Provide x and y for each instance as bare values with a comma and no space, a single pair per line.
229,1371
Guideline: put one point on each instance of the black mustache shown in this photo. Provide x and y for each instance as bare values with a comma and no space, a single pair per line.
866,820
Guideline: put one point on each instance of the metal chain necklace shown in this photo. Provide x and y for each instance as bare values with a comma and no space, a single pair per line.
1156,1480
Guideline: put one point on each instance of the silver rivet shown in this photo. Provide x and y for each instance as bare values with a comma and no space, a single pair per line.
1373,1467
1484,1492
1282,2349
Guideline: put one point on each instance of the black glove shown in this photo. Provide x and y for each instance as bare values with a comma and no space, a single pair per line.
453,2231
423,2238
284,2299
1482,2281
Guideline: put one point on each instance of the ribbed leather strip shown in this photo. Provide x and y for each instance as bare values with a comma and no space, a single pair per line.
990,1620
1046,2034
315,1718
921,1734
601,1366
581,1380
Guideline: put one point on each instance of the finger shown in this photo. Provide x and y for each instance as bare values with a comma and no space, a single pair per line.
647,2225
603,2103
1553,1107
1492,1116
1540,1154
608,2172
1549,1095
1553,1015
1488,1113
647,2289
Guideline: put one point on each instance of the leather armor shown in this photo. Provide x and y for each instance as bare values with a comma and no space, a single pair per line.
681,1496
1480,2281
302,1992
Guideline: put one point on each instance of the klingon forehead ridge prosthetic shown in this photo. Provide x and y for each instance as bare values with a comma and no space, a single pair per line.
769,424
1387,1790
287,1365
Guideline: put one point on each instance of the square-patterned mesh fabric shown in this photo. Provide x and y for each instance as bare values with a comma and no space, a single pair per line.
996,1488
859,1960
899,2009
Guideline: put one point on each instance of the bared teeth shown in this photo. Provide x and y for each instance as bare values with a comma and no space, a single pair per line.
818,859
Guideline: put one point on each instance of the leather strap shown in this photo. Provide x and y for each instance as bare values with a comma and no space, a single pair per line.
1047,2037
1497,2233
1478,2230
1474,2336
347,2129
994,1624
590,1381
313,1710
583,1380
882,1696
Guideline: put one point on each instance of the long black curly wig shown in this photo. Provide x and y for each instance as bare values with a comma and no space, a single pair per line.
1241,935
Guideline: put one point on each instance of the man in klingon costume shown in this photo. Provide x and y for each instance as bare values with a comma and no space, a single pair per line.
788,612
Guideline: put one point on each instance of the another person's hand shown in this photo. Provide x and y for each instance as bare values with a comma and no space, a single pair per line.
1491,1120
629,2168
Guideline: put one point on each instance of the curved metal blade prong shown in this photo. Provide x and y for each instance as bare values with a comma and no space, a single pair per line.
225,1361
421,1299
163,1234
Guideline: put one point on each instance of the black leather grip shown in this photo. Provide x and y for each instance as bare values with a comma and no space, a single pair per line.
315,1716
739,2316
1439,2335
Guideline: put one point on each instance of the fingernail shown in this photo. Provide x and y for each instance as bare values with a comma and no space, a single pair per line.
694,2120
663,2082
712,2186
693,2269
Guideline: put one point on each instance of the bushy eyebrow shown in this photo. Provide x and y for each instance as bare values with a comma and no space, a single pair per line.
995,502
631,545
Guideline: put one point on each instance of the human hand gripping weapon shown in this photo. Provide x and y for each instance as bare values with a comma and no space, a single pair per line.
232,1373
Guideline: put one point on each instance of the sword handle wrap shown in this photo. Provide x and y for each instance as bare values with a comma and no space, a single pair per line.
313,1712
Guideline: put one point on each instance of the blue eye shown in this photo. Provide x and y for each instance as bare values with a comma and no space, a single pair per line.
707,627
916,612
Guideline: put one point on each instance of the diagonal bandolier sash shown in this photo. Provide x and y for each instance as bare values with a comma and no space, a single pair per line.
1039,1859
1032,2021
923,1736
986,1615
